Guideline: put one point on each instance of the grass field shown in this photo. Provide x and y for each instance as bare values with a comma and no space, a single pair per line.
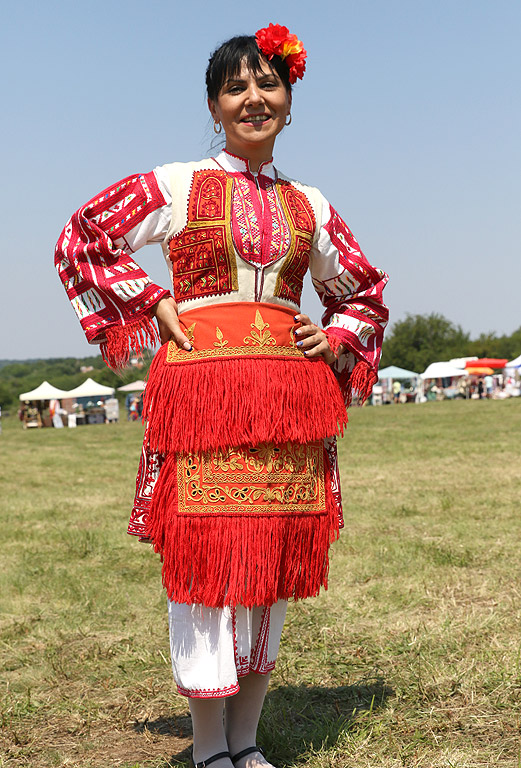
412,658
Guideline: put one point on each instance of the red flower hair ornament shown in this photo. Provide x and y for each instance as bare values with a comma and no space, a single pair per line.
276,40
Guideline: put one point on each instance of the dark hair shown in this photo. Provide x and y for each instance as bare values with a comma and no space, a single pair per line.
227,59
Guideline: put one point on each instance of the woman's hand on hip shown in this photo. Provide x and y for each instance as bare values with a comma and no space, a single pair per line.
312,340
168,321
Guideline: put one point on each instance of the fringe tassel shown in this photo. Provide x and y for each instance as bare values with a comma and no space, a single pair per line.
360,380
122,340
218,404
248,559
334,342
363,379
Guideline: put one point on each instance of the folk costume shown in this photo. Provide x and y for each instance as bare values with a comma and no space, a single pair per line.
238,483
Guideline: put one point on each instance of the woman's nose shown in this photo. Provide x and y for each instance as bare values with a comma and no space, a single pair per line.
254,94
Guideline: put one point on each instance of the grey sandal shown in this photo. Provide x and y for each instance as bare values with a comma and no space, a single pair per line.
209,760
247,751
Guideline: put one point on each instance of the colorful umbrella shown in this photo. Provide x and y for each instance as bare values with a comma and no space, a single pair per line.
487,362
481,370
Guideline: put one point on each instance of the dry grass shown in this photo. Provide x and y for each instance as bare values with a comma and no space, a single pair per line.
412,658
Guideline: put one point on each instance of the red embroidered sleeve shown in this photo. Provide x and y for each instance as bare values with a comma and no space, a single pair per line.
351,291
111,295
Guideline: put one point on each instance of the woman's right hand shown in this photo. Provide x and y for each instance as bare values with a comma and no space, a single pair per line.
168,321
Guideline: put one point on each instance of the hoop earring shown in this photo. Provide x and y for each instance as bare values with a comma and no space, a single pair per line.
289,121
217,123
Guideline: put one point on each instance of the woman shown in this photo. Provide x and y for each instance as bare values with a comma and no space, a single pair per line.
238,483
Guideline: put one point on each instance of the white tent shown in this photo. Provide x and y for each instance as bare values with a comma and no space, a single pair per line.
395,372
460,362
45,391
516,363
90,388
442,370
134,386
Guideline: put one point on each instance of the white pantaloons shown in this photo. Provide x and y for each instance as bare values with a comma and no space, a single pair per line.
212,648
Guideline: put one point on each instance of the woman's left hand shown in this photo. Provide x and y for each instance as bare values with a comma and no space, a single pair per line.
312,340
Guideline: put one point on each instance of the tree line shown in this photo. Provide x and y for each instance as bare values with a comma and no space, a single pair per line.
411,343
63,372
418,340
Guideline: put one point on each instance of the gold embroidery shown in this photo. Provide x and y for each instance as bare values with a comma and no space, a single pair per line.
273,459
229,343
269,478
176,355
260,336
173,350
221,341
227,461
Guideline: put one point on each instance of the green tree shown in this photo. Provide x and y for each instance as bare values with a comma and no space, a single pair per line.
490,345
64,373
7,397
418,340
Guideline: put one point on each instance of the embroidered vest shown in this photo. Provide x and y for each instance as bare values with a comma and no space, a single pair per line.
243,239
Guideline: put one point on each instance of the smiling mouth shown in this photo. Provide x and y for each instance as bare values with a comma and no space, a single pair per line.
256,119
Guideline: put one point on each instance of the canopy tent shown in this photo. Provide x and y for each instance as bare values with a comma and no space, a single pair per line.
90,388
45,391
460,362
487,362
134,386
516,363
442,370
395,372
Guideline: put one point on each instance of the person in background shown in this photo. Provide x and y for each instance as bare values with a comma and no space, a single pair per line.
33,417
128,402
133,409
22,411
55,411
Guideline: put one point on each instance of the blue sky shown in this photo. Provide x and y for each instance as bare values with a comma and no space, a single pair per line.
408,119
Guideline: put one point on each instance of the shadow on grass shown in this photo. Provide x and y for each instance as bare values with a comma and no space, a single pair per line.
179,726
299,718
296,719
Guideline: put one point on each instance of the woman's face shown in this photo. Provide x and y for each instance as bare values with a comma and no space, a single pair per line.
252,109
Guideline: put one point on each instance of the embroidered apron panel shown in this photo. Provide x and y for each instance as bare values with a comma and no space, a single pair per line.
272,479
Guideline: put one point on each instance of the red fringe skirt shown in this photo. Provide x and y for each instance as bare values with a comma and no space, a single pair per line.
235,487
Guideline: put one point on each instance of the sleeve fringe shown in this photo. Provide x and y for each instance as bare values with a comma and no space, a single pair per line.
360,380
333,341
123,340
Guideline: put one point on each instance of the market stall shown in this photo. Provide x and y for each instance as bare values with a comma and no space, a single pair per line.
440,377
91,399
393,373
33,413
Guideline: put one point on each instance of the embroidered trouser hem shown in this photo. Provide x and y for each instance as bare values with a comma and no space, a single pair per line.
212,648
